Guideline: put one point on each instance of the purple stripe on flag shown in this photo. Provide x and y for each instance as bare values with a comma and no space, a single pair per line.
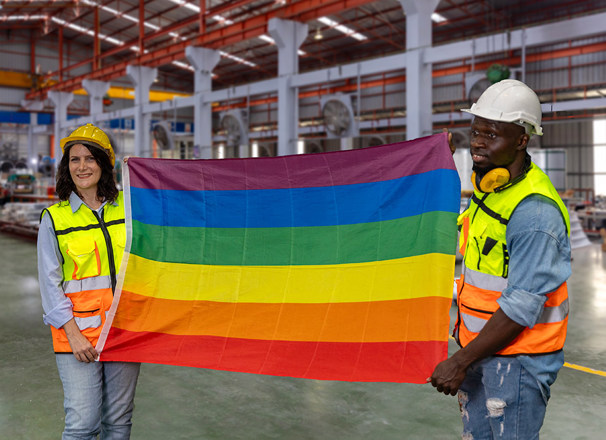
384,162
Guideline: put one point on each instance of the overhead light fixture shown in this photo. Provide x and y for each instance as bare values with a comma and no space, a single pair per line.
272,41
187,5
183,65
237,59
438,18
318,35
267,38
23,17
222,19
343,29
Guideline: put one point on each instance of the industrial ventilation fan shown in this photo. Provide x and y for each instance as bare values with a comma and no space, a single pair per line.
475,84
267,149
338,116
373,141
163,135
6,166
313,147
233,123
9,152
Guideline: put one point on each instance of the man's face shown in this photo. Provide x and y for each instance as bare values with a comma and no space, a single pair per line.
496,144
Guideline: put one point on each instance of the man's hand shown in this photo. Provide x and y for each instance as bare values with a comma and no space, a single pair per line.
448,375
81,347
498,333
450,144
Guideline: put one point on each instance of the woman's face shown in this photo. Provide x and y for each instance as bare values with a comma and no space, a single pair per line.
83,168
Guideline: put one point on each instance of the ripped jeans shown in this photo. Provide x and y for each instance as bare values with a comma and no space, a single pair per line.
499,399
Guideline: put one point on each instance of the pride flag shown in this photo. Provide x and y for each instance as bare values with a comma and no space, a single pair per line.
335,266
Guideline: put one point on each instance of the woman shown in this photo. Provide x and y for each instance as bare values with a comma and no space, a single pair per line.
80,246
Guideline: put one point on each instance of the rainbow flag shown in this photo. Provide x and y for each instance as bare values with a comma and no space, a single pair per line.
335,266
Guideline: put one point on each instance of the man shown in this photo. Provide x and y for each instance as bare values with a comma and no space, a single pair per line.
512,297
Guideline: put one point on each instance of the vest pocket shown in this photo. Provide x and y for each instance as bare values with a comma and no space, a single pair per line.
86,303
85,256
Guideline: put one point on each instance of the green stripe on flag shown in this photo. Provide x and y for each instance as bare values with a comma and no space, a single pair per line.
341,244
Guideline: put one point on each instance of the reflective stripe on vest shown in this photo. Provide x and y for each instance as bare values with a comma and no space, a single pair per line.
549,315
485,268
92,249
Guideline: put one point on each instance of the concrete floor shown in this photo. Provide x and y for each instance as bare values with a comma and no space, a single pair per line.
185,403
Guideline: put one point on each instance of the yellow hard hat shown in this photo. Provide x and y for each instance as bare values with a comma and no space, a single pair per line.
89,135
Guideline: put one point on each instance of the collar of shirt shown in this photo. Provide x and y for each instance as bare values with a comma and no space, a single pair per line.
75,202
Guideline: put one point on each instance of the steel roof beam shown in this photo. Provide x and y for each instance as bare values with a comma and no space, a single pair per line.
302,10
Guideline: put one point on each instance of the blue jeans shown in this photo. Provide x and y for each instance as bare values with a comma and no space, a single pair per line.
98,398
499,399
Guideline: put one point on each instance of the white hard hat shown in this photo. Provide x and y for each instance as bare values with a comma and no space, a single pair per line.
510,100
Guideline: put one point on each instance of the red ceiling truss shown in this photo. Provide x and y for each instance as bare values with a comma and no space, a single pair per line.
383,22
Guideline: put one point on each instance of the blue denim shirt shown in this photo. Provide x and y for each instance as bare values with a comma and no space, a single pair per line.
57,307
539,250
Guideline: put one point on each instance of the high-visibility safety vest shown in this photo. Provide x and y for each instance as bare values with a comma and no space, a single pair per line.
92,249
486,264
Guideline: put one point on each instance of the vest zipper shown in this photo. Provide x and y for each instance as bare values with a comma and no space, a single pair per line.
110,250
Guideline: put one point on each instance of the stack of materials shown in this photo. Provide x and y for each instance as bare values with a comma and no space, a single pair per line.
21,219
578,238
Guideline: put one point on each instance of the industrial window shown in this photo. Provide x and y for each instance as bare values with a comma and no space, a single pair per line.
599,156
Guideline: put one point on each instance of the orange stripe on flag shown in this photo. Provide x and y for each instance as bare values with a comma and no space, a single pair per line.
382,321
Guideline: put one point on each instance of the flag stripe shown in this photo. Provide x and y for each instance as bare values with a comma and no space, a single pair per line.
294,207
317,245
335,266
411,361
326,169
383,321
404,278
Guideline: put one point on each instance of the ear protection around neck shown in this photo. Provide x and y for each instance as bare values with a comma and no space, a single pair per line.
492,180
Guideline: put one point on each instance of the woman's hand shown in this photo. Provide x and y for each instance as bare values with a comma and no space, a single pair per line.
81,347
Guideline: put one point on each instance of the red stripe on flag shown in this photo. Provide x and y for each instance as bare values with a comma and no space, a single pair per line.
410,362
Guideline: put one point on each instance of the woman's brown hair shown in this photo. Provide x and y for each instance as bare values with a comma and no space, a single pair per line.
106,188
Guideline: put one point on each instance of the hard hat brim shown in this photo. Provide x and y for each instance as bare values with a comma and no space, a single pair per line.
66,142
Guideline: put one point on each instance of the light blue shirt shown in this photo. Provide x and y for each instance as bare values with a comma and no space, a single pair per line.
539,262
57,307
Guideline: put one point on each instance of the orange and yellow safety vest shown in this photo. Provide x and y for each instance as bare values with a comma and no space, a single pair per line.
486,265
92,249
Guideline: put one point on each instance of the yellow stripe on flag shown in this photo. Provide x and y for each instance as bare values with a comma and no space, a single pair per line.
405,278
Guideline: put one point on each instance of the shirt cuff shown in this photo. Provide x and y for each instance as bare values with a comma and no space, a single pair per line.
523,307
60,314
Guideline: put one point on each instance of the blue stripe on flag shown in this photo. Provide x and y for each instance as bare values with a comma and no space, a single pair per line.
436,190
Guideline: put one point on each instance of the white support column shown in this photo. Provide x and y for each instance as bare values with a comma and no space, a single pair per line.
142,78
96,91
32,158
418,73
204,61
32,106
61,100
289,35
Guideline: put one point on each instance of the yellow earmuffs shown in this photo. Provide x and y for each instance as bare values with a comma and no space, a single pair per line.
491,180
499,179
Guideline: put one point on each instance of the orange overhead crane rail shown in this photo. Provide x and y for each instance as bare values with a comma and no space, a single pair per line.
24,81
